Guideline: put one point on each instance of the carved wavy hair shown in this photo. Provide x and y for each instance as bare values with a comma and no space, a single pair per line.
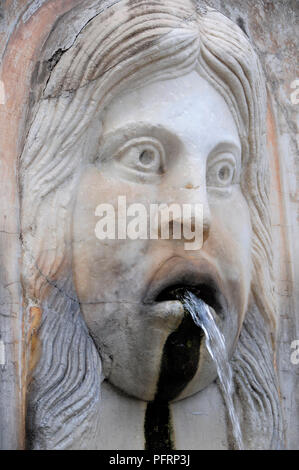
126,44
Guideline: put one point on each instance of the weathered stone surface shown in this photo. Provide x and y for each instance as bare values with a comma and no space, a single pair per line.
55,104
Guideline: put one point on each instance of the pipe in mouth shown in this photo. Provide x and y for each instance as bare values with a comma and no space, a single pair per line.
181,351
204,292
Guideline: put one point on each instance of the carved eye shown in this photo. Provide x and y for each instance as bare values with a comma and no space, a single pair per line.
142,155
222,171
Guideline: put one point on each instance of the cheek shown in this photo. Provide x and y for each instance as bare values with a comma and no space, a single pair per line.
230,244
104,269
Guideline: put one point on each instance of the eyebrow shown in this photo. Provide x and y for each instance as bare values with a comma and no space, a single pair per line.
112,140
226,145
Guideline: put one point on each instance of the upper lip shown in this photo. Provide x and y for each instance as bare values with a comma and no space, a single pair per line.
178,272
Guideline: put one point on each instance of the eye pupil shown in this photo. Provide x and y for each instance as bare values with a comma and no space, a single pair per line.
224,173
146,157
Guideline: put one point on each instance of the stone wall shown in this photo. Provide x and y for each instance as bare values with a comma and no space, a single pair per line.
272,26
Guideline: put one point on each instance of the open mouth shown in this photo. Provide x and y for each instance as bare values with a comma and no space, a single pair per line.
181,353
207,293
181,350
177,276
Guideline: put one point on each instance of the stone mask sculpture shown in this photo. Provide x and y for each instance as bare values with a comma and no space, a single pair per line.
182,82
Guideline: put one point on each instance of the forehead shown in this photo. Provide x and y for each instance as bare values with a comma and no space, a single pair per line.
187,106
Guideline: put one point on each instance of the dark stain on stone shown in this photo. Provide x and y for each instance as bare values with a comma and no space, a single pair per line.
241,24
178,366
180,360
43,69
55,59
157,427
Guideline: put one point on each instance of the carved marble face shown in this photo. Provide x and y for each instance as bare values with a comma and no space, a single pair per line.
189,134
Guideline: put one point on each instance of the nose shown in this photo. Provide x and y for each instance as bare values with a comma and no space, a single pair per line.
192,199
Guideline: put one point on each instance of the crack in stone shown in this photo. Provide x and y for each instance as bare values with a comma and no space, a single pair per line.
198,9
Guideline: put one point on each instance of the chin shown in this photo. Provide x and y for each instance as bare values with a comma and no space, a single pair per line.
152,350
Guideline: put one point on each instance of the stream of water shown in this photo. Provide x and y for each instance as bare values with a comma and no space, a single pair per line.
215,343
